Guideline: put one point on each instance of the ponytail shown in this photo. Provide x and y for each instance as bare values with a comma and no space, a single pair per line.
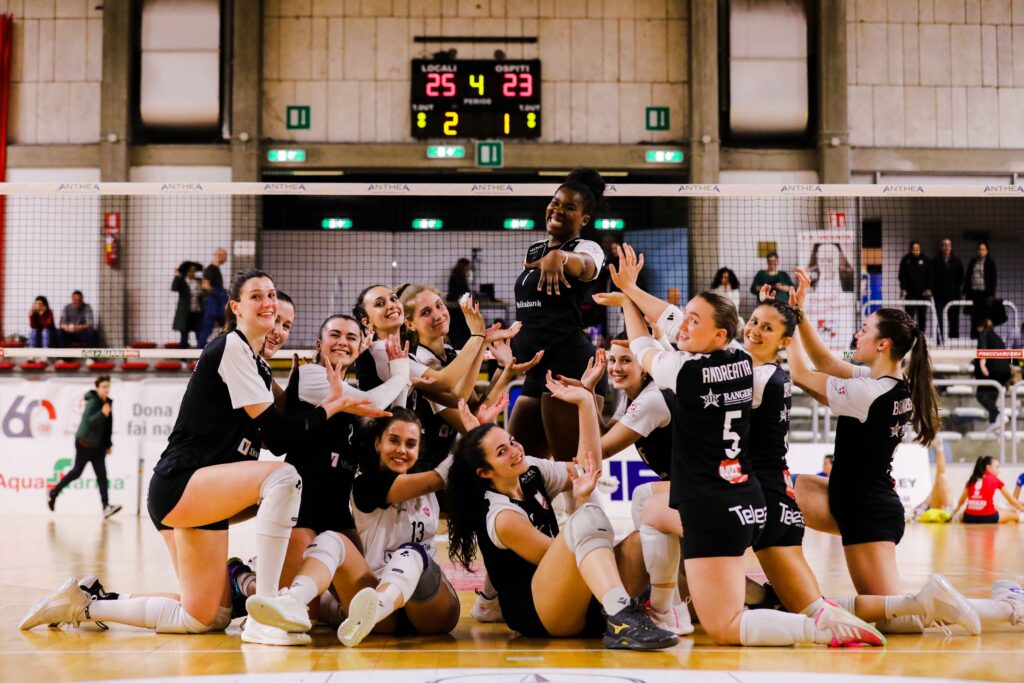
899,328
980,465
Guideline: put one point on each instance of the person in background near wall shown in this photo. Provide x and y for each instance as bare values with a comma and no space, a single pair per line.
991,368
92,444
727,284
980,286
915,277
188,309
216,297
826,465
77,322
40,321
778,279
947,281
458,284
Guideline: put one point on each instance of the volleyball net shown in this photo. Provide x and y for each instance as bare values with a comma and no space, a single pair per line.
123,246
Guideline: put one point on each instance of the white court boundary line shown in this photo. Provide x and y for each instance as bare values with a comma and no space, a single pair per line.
716,649
504,189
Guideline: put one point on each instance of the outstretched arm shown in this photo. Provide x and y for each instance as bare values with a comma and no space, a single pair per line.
820,354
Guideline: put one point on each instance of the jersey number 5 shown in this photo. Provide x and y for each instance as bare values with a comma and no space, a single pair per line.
728,435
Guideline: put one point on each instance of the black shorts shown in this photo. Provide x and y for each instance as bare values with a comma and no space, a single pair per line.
866,517
724,524
981,519
520,614
322,510
164,494
569,359
785,524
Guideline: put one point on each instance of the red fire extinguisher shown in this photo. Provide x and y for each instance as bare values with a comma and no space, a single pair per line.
111,232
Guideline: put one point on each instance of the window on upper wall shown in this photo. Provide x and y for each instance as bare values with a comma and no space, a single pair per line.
767,73
182,80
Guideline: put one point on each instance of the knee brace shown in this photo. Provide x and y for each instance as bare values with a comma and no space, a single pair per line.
586,530
406,568
169,616
327,548
222,620
636,509
661,555
430,581
280,495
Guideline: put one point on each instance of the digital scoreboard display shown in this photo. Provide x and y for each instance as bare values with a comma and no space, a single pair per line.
475,98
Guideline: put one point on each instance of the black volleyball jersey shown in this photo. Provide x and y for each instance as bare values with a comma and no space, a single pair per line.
769,427
509,572
874,414
437,436
212,426
550,319
650,416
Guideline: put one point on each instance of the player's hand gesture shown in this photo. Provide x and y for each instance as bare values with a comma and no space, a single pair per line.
577,395
474,320
796,298
394,348
584,471
630,264
766,292
595,370
611,299
552,272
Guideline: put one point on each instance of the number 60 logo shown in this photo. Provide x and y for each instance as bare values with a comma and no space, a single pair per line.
35,418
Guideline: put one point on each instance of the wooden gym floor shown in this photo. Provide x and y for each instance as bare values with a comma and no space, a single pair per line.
39,552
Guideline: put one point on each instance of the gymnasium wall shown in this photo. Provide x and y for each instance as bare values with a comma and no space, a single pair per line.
56,66
602,61
936,73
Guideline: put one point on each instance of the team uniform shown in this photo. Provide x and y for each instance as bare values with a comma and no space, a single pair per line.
512,575
980,506
212,426
650,416
328,458
769,435
720,502
873,415
554,322
438,436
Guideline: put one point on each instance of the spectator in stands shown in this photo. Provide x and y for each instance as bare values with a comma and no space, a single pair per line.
188,311
216,297
826,466
778,279
980,286
915,277
727,284
40,321
947,283
991,368
979,494
458,284
77,323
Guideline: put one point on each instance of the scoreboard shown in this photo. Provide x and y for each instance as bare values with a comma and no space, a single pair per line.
475,98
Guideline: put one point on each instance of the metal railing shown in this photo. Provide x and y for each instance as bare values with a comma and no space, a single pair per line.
982,383
1017,388
967,302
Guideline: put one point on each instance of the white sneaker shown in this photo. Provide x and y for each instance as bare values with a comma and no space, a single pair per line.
1012,594
111,510
846,629
261,634
676,620
944,605
281,611
362,617
487,610
66,605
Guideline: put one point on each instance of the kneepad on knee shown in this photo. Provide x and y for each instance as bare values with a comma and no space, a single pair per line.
327,548
429,582
170,616
586,530
280,495
636,509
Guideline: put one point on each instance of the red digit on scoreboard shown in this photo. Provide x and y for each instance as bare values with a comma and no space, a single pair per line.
433,80
448,81
521,82
508,88
525,85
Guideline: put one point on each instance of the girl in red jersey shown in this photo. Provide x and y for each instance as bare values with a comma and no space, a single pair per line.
979,493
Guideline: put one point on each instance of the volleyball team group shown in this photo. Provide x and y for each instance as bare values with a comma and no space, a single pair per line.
345,524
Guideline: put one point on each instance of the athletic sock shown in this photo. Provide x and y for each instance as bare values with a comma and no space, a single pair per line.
994,614
124,596
848,603
303,589
386,601
661,557
163,614
902,606
812,609
615,600
766,627
247,583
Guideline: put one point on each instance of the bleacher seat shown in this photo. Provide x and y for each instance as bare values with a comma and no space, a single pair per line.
168,366
946,368
800,435
960,390
134,366
970,413
951,437
944,412
6,366
191,365
800,411
67,366
12,344
982,436
142,345
33,366
101,366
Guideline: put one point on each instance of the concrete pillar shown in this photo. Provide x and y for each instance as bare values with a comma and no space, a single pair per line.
833,131
116,106
704,140
246,108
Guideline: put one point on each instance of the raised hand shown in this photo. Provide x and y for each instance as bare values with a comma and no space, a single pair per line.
630,264
595,370
552,271
766,292
469,420
584,473
394,348
497,333
474,320
367,339
611,298
487,414
422,383
796,297
577,395
517,369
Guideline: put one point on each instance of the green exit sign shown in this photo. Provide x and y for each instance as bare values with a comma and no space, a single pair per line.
664,156
446,152
427,224
519,224
610,224
336,224
286,155
297,117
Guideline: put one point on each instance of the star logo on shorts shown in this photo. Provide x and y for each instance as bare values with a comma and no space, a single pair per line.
711,399
784,415
897,430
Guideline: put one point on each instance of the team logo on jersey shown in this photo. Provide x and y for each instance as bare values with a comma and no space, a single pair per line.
898,429
426,511
788,479
841,391
245,447
711,399
784,415
632,408
732,471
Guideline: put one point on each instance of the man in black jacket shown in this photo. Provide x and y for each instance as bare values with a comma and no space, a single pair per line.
980,287
947,284
916,281
92,443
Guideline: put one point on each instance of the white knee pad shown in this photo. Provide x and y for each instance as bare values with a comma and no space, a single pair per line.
327,548
661,555
429,583
169,616
640,495
222,620
280,496
586,530
405,569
